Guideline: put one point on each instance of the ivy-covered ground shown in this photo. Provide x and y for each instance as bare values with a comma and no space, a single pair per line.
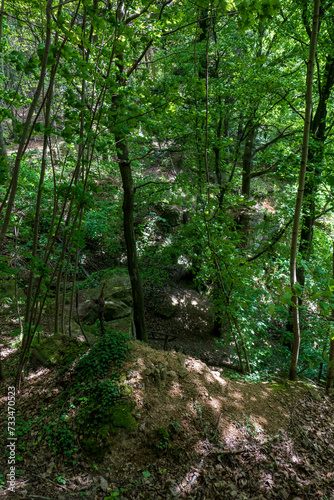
131,422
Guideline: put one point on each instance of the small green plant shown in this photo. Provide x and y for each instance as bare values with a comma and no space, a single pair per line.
110,350
175,427
60,437
146,473
61,479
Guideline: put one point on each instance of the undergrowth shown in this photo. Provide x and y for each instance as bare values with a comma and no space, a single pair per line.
95,389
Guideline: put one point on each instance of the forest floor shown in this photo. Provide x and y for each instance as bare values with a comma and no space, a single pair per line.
201,435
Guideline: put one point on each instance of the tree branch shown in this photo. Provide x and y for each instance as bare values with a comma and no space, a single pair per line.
273,242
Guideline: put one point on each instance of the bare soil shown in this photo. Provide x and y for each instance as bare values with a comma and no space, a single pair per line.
227,439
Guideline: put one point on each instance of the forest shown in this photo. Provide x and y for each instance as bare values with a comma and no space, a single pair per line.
166,191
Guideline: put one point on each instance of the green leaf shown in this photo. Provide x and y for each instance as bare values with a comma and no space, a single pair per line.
146,473
271,309
286,298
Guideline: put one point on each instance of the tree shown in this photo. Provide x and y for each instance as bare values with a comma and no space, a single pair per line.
301,184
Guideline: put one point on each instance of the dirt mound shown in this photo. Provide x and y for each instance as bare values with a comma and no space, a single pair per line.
200,436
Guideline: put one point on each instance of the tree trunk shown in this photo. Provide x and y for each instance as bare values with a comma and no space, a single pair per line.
330,372
25,133
3,151
3,158
315,159
299,200
247,162
129,233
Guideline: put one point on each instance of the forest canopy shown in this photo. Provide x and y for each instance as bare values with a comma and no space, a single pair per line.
111,112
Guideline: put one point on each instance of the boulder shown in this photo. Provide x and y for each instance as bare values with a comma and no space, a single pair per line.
165,310
117,298
58,349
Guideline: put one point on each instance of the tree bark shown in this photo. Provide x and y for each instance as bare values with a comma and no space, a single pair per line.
247,162
3,151
299,200
25,133
315,159
330,371
3,158
124,163
130,239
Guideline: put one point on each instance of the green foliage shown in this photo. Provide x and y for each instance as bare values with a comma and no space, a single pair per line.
60,436
98,277
109,351
92,406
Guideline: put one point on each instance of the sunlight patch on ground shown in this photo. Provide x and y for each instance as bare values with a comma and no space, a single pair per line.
174,300
189,480
195,365
214,403
7,351
231,435
236,395
37,374
175,390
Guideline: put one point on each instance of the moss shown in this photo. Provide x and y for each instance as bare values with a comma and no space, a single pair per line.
59,349
99,442
278,387
163,433
162,441
121,416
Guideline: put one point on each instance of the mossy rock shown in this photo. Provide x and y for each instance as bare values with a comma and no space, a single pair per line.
100,442
165,310
121,417
58,349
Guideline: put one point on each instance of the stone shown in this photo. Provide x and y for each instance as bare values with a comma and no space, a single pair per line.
117,298
165,310
103,484
183,372
58,349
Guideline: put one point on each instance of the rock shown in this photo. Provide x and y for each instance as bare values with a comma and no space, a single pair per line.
165,310
171,375
58,349
315,394
183,372
103,484
125,325
117,297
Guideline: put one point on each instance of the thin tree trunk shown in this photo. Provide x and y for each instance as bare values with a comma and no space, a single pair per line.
299,200
247,162
3,151
330,372
4,168
128,202
130,240
25,133
315,159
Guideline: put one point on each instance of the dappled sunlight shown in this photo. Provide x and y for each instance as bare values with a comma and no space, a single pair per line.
38,374
196,365
174,300
175,390
231,436
214,403
11,348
